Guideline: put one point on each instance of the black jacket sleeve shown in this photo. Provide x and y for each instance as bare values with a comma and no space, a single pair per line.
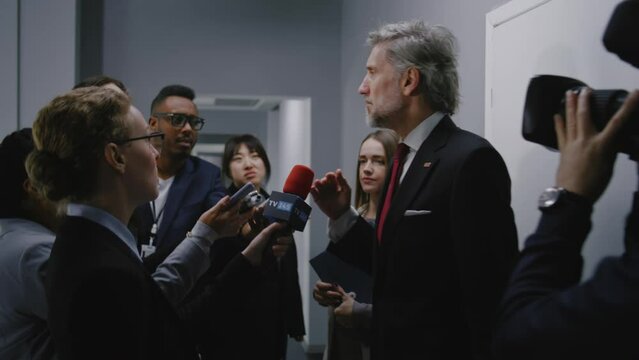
545,312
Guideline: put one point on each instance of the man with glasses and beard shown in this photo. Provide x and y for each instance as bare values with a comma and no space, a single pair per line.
188,185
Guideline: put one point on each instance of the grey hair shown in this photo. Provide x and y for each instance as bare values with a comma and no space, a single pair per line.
431,49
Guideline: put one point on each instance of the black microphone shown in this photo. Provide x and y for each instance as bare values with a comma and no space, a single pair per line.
622,28
289,205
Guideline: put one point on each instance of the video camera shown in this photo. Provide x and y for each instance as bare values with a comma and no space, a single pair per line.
546,93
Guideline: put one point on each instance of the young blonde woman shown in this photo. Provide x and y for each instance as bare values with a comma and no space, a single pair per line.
349,320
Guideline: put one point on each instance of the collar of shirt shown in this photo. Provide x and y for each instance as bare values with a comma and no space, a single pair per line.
415,138
107,220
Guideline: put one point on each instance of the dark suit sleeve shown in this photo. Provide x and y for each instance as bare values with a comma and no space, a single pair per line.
107,317
217,192
235,282
545,312
485,240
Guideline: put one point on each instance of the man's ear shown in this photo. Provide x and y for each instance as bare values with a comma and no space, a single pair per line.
410,81
27,187
114,157
30,190
153,123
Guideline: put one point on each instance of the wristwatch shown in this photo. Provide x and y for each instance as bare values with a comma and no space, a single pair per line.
551,197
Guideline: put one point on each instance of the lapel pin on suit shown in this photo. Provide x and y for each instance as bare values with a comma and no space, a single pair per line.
427,164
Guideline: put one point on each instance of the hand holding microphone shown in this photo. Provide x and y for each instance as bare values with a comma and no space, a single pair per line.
225,218
255,249
287,209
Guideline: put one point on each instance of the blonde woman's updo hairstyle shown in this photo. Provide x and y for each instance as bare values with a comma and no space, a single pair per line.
70,134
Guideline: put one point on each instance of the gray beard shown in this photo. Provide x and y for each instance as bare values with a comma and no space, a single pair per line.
378,121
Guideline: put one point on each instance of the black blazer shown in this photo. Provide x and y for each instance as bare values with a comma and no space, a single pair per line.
439,275
547,314
102,302
195,189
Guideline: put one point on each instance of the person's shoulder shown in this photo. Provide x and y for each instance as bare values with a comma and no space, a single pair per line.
25,233
469,140
24,242
202,165
463,146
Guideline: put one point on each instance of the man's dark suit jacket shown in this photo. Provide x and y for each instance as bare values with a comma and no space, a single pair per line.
547,314
438,276
103,304
195,189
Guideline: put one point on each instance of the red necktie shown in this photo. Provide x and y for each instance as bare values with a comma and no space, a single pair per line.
396,173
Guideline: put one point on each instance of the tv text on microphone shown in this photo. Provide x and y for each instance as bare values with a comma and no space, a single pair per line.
289,205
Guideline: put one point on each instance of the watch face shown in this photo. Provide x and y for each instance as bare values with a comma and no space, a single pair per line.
549,197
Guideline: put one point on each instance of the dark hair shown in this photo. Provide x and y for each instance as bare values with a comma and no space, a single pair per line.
389,140
70,133
252,143
100,80
172,90
14,150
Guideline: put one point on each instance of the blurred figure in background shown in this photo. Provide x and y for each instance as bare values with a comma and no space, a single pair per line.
27,225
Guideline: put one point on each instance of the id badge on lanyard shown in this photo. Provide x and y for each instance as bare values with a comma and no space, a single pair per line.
148,249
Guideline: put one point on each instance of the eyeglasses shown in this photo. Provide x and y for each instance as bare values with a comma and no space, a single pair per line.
148,138
179,120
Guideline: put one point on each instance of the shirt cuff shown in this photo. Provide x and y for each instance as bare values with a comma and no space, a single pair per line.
362,314
339,227
203,235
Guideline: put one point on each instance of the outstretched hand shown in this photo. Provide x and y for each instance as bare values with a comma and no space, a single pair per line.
587,156
332,194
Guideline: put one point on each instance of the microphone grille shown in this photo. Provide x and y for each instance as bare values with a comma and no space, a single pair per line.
299,181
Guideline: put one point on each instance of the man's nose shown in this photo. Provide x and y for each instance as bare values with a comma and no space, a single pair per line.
363,87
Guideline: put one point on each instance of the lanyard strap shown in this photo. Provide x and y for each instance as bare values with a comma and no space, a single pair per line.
154,227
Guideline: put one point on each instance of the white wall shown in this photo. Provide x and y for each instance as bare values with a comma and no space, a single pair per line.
37,60
47,53
8,66
568,44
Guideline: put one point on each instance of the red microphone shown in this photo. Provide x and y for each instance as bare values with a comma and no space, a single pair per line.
289,205
299,181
